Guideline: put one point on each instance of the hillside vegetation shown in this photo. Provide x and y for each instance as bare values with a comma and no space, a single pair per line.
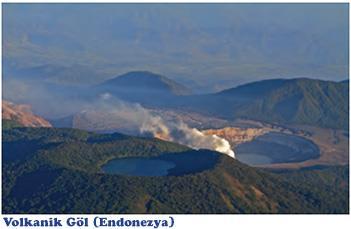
299,101
48,170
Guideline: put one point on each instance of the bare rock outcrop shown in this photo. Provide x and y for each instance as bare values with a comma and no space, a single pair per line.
23,115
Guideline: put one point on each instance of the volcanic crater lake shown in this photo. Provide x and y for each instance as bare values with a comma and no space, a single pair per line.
171,164
272,148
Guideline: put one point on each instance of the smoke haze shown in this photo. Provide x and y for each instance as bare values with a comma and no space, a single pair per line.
178,132
107,113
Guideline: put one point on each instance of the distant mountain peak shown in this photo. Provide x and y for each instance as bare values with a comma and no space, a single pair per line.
147,81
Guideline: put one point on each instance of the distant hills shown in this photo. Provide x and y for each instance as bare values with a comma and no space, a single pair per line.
59,74
300,101
282,101
49,170
345,81
237,43
145,81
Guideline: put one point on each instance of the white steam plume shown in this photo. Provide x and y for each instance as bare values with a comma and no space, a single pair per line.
183,134
178,132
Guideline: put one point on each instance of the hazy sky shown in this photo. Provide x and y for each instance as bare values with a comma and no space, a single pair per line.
207,46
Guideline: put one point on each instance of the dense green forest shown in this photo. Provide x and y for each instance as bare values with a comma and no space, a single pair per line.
48,170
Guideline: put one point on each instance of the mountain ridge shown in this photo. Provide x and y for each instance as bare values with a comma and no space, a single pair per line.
300,100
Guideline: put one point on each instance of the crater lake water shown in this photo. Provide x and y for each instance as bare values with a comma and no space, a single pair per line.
254,159
274,148
138,166
171,164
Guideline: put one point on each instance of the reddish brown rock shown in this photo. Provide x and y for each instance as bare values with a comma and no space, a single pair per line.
23,115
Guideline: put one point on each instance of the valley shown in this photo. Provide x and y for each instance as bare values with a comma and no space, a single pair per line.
179,152
108,113
236,132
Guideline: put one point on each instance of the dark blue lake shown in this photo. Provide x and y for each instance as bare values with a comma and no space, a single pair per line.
138,167
274,148
172,164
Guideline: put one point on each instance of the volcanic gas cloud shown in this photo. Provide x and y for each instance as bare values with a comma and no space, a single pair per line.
183,134
148,123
